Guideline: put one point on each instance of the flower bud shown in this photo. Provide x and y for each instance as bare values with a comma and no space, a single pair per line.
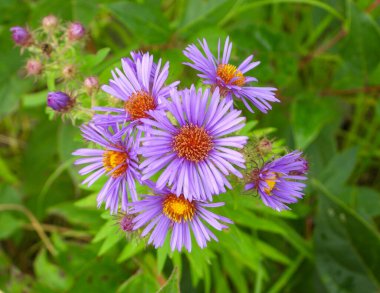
69,71
50,22
33,67
264,146
91,84
59,101
75,31
21,36
126,223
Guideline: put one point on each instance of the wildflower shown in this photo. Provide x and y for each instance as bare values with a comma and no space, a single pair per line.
33,67
195,155
91,84
75,31
50,22
117,160
21,36
139,89
60,101
277,182
166,211
231,80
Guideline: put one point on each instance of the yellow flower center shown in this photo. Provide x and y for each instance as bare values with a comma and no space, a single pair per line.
227,72
271,181
114,159
138,104
178,209
193,143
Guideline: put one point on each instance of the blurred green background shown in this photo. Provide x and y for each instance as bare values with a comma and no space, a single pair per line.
323,56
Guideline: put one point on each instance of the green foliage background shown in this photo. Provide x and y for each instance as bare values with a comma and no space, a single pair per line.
324,58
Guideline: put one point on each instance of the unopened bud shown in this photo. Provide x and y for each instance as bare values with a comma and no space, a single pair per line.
264,146
21,36
91,84
126,223
69,71
50,22
33,67
75,31
60,101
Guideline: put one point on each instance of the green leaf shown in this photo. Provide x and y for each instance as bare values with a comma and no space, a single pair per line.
6,174
144,20
133,247
347,248
90,61
339,169
200,13
309,115
34,99
51,275
172,284
140,282
9,224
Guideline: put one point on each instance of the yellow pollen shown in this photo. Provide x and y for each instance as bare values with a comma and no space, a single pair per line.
113,159
178,209
192,143
138,104
227,72
271,181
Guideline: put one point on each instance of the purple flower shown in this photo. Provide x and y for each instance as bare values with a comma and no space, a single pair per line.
75,31
60,101
117,160
278,183
231,80
194,155
166,211
141,88
21,36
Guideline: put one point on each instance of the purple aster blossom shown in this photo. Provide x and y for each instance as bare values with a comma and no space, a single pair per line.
21,36
277,182
166,211
231,80
194,155
141,88
117,160
75,31
136,56
60,101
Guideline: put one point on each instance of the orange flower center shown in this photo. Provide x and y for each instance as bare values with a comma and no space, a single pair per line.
193,143
138,104
116,161
271,181
230,74
178,209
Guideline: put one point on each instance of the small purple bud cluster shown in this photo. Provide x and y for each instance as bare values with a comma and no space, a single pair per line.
52,52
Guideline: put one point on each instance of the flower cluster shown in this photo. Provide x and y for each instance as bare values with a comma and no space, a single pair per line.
183,144
52,51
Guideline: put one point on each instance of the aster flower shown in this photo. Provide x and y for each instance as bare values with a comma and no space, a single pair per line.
117,160
278,182
141,88
195,155
165,211
231,80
